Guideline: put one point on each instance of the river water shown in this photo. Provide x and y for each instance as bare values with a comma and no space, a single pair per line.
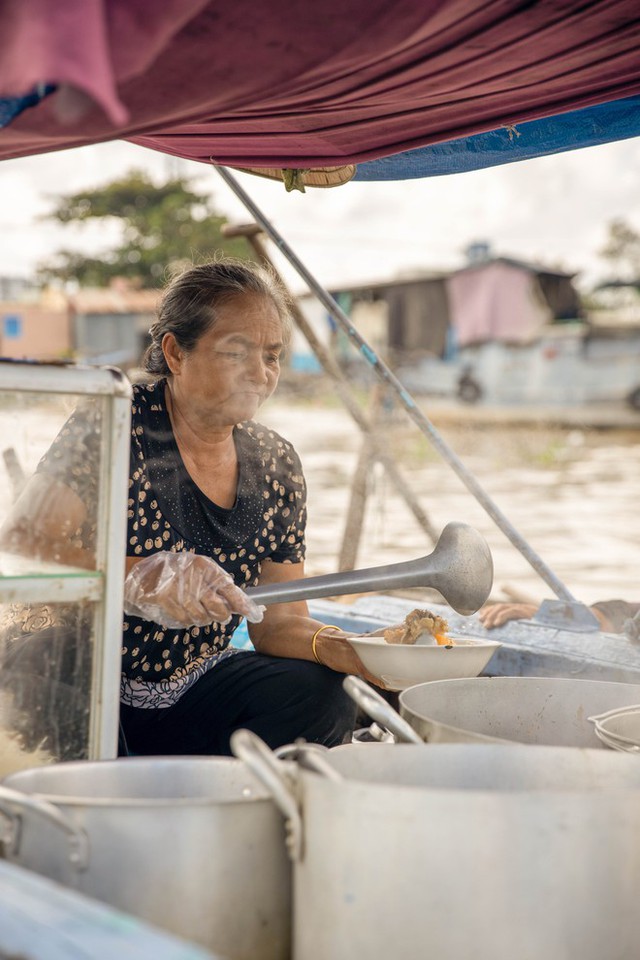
571,492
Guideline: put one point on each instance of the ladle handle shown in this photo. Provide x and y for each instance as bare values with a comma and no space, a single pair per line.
376,707
411,573
460,568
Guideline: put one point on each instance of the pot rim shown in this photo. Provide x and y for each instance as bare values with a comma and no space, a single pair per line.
258,793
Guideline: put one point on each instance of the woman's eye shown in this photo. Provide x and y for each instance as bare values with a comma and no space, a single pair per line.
273,359
230,355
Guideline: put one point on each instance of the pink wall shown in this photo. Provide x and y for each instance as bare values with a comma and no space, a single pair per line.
42,334
496,302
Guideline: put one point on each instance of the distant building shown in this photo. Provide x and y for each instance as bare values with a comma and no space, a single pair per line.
492,298
507,300
17,289
615,303
99,326
38,329
111,325
498,330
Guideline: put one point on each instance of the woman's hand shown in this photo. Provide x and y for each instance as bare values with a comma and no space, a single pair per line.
185,590
335,651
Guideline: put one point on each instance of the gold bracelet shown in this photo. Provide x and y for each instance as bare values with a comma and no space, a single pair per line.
327,626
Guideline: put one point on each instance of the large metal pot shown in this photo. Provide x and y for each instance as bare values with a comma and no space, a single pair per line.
459,850
524,709
192,845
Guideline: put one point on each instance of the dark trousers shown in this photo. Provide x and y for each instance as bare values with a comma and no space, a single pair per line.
279,699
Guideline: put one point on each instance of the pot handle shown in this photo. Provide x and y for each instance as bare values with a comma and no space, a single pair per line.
13,803
379,710
248,747
311,756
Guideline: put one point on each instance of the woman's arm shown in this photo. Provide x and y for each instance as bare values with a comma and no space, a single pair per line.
43,521
610,614
287,630
497,614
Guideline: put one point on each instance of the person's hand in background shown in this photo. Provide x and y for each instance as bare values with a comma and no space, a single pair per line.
497,614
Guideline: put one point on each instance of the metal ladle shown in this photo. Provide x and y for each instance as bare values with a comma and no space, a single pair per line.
460,568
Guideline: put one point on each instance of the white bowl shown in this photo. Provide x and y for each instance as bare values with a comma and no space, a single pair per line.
404,665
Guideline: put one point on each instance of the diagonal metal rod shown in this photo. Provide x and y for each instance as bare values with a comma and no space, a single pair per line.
382,370
253,234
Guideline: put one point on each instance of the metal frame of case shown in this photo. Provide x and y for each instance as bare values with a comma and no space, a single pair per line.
104,587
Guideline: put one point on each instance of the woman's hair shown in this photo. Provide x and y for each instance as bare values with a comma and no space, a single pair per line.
188,307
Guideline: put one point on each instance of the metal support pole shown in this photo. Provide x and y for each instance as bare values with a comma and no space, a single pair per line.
252,233
409,404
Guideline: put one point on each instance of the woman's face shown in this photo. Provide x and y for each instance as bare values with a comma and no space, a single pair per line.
234,366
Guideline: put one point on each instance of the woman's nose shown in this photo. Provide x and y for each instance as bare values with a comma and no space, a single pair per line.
257,368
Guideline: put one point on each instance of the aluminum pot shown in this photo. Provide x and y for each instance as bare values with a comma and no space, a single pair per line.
538,710
192,845
460,850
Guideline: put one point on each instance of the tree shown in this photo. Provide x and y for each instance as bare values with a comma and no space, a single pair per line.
162,227
623,251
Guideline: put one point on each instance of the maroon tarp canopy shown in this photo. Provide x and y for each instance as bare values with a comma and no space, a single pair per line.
302,83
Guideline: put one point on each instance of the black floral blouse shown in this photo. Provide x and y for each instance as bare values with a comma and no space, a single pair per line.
167,511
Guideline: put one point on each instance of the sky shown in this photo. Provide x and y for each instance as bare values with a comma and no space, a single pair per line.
554,211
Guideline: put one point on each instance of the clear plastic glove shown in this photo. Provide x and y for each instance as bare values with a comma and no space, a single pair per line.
185,590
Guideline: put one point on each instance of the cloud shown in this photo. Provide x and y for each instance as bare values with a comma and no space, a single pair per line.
554,210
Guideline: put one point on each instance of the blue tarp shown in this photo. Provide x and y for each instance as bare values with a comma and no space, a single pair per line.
618,120
12,107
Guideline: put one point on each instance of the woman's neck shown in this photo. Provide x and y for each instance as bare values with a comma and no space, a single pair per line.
209,455
194,431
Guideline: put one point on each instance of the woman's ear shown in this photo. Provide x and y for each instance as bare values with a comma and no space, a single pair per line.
172,352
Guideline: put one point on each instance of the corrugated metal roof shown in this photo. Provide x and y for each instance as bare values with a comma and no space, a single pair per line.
114,300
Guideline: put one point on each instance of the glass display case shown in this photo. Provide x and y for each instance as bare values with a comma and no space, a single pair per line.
64,442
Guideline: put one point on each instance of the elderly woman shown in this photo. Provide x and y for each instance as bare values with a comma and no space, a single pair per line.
217,503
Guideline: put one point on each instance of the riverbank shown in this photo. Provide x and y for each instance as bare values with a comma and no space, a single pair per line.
596,416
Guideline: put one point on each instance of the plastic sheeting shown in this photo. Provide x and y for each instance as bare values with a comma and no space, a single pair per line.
604,123
344,81
498,302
